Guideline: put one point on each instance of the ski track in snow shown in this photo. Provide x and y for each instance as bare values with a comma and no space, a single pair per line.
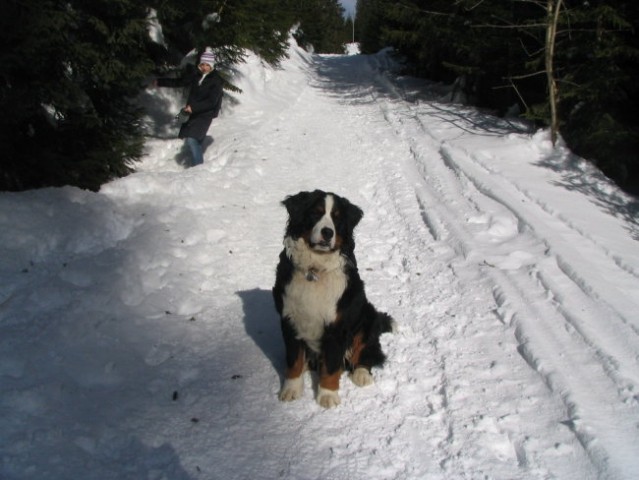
154,347
583,366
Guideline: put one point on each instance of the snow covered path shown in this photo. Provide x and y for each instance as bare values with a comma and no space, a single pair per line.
139,341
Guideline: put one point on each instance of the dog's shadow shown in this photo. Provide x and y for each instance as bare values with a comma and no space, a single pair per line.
262,324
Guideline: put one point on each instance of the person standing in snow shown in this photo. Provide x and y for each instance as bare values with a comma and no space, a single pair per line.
202,105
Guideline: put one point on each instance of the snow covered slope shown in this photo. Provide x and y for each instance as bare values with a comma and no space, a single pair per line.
138,339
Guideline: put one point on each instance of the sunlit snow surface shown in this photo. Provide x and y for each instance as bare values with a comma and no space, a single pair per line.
138,339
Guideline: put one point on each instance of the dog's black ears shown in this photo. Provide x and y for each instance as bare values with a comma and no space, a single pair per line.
300,202
353,213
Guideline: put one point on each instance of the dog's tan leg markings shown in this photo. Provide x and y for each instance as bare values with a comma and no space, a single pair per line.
356,350
297,369
360,375
327,395
293,387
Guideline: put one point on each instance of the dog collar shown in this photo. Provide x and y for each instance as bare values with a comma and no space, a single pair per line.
312,275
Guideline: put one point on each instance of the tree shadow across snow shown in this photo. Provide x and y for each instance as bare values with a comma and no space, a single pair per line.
160,107
361,79
597,187
262,325
132,459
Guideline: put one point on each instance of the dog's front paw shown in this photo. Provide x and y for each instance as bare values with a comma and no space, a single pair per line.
362,377
292,389
328,398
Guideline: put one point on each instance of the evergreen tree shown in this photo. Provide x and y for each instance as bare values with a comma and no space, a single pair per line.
500,50
370,17
69,71
598,59
321,25
228,26
348,30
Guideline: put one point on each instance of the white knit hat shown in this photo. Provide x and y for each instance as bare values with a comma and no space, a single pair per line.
208,58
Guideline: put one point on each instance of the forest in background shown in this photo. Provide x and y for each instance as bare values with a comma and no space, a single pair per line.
70,70
566,64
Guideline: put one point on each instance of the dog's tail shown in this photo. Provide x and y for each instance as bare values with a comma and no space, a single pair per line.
372,355
387,323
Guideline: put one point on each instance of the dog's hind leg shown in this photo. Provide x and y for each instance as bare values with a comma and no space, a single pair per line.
360,375
365,356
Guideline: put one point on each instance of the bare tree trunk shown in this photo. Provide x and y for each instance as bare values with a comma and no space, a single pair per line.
553,8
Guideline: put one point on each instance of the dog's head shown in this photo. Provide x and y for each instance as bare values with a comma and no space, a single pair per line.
324,220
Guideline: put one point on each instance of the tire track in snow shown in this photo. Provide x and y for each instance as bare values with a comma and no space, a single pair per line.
428,206
427,287
559,276
483,163
538,219
424,295
552,296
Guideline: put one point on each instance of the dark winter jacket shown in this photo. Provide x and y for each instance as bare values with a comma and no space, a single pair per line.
205,101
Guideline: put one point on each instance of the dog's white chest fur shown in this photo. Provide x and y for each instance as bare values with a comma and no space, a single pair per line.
310,299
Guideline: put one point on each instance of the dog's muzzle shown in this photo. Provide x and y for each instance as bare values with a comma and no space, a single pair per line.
326,240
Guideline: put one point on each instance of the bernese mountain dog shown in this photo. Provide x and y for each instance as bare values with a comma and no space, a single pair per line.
327,322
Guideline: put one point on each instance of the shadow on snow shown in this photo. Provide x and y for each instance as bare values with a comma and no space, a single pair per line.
263,326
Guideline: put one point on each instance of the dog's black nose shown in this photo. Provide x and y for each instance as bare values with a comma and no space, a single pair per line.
327,233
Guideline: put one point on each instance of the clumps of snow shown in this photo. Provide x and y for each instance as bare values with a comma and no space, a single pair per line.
138,335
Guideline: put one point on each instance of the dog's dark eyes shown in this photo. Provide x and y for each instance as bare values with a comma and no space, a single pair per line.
319,211
336,214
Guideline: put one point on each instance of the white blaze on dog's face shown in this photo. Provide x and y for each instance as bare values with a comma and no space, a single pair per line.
323,232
